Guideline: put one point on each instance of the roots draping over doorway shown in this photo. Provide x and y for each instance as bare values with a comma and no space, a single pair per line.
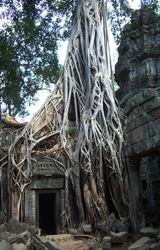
79,126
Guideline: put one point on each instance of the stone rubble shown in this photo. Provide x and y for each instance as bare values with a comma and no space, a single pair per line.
147,239
142,243
20,236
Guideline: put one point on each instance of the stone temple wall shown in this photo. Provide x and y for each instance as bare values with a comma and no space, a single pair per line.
7,133
138,75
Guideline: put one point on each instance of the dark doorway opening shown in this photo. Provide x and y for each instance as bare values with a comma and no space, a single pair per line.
150,180
47,213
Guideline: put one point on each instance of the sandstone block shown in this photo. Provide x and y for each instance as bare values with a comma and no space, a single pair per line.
148,231
119,237
141,244
123,246
154,246
87,229
106,244
20,246
4,245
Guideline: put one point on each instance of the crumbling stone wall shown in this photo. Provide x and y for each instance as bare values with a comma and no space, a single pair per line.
138,75
5,140
7,134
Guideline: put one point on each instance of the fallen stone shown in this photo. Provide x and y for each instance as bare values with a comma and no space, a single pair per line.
20,246
25,234
148,231
146,247
118,246
106,243
5,236
123,226
154,246
119,237
158,236
73,231
13,226
16,238
2,228
141,244
87,229
4,245
80,231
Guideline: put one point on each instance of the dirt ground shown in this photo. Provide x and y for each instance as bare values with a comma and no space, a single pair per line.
70,242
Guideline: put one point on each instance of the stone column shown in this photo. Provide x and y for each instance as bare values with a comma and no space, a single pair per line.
135,194
31,208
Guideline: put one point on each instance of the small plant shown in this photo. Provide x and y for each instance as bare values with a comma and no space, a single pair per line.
71,131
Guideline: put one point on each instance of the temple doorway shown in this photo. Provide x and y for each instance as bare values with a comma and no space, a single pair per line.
150,179
47,212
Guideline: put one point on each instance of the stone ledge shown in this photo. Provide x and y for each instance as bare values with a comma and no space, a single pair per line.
144,147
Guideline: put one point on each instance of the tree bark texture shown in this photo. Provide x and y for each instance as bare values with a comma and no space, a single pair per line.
81,121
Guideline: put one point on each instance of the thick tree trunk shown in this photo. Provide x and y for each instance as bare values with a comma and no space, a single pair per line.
82,113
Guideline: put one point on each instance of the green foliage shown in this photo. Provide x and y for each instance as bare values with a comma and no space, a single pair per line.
71,131
120,12
152,4
28,51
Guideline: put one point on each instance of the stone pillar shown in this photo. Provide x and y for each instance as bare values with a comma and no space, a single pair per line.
30,207
135,194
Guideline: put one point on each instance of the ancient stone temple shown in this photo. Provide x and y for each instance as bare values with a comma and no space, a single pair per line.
44,197
58,165
138,75
44,193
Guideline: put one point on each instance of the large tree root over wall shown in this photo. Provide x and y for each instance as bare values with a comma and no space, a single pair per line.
80,124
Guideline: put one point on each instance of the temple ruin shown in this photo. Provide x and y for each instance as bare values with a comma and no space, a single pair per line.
60,161
54,173
138,75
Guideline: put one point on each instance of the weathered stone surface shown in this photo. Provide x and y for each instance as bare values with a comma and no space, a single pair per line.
25,235
123,246
154,246
45,167
20,246
148,231
138,72
119,237
143,147
87,229
4,245
51,183
15,238
5,235
2,228
106,244
123,226
158,236
13,226
73,231
141,244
